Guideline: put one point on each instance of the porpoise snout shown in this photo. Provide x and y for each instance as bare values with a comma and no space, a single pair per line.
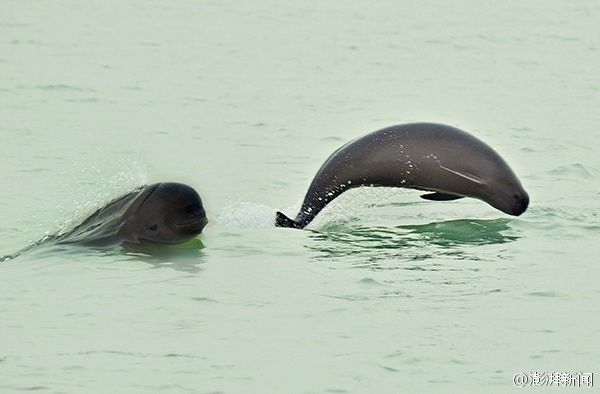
519,204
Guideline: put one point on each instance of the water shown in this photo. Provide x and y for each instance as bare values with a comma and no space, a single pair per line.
384,292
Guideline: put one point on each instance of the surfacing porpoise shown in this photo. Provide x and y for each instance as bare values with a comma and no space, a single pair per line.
164,213
441,159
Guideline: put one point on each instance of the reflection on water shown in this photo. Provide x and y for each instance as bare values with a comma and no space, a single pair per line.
453,239
464,232
185,257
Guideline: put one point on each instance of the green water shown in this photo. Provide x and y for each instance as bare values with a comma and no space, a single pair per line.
385,292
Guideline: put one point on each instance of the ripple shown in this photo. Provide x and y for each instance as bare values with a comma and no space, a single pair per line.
62,87
382,248
574,170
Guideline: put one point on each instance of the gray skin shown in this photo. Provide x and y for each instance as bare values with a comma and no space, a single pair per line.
164,213
438,158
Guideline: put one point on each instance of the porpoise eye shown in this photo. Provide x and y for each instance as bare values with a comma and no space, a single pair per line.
154,227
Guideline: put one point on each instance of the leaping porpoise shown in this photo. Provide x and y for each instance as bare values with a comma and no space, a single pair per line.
166,213
438,158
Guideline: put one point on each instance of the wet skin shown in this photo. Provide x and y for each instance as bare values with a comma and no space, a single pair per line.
446,161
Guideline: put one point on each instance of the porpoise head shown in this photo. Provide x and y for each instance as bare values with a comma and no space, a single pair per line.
495,184
165,213
476,170
508,195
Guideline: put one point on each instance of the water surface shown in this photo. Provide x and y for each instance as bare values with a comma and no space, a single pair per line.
384,292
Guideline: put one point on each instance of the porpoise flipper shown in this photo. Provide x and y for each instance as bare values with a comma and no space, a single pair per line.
440,197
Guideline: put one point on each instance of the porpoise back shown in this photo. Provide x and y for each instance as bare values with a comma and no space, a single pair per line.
444,160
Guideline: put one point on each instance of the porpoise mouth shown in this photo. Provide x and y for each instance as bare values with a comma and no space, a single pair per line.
196,224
